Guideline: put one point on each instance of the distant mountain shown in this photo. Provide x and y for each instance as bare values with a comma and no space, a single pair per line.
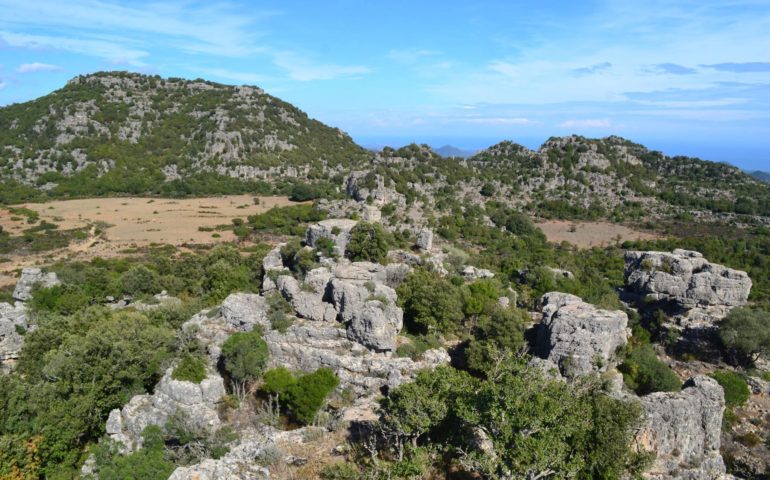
764,176
451,151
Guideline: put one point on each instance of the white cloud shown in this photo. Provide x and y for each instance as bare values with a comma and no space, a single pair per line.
303,69
37,67
586,123
3,84
410,55
108,48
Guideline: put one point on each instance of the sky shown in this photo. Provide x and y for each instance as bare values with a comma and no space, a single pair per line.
684,77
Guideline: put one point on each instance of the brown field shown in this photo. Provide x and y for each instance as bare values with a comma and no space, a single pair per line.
134,222
591,234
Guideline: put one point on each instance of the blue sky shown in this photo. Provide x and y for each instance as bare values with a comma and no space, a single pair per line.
685,77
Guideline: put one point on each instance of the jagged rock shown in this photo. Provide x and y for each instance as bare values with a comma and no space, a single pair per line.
758,385
12,319
309,346
704,291
472,273
196,402
683,430
162,299
349,296
361,187
559,272
577,336
307,304
271,263
31,277
425,239
244,310
376,325
337,230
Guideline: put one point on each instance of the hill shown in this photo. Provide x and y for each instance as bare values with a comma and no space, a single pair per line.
125,133
451,151
117,132
764,176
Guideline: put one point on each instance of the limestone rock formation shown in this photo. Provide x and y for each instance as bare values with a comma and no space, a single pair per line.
704,292
13,321
474,273
578,337
30,277
425,239
195,402
683,429
336,230
376,324
308,304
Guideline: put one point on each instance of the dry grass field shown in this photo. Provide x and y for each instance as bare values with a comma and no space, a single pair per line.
133,222
591,234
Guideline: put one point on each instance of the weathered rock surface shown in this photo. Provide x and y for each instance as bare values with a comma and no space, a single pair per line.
308,303
425,239
336,230
273,262
308,346
13,319
376,325
683,429
160,300
578,337
30,277
704,291
196,402
473,273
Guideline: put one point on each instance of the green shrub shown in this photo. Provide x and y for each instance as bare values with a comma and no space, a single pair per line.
644,373
368,242
138,280
430,303
301,396
746,331
149,462
736,389
62,299
191,368
245,356
307,395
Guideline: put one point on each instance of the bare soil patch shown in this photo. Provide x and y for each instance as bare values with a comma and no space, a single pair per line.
135,222
591,234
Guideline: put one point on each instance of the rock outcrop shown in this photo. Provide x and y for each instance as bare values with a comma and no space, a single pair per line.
376,325
577,337
336,230
683,430
30,277
700,291
425,239
474,273
13,322
196,403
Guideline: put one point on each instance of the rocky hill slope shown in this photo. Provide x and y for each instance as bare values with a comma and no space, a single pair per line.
118,132
125,132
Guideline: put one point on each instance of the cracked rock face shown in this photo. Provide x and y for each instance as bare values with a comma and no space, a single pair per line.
577,337
13,321
197,402
683,430
705,291
30,277
376,325
336,230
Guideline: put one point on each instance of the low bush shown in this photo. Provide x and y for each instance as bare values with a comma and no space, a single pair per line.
644,373
736,389
191,368
302,397
368,242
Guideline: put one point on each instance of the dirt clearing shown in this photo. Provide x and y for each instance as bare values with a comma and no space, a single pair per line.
591,234
135,222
